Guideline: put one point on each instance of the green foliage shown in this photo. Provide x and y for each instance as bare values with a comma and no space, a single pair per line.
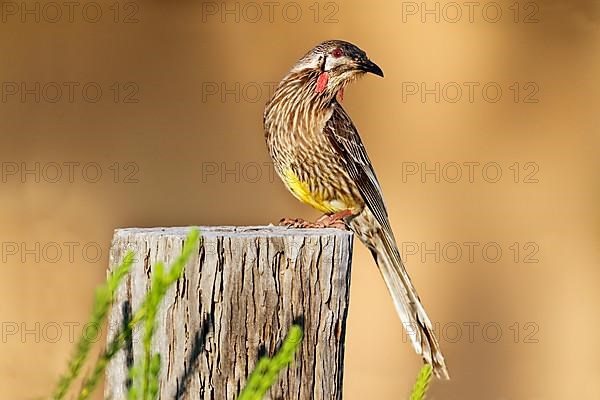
102,301
90,383
420,388
144,376
267,369
150,365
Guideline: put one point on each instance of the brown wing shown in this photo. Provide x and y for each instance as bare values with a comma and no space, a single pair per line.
345,139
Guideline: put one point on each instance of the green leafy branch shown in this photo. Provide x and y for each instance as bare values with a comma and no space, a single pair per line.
150,365
422,383
145,376
267,369
102,301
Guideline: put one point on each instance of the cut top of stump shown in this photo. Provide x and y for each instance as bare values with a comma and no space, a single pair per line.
221,231
237,298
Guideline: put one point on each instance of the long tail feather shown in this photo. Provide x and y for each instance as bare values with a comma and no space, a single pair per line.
407,302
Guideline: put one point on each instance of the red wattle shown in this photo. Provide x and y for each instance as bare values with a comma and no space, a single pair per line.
322,82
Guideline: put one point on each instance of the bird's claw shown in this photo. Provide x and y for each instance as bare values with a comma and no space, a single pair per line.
298,223
325,221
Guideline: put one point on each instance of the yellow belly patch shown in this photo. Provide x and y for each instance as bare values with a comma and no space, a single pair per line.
302,192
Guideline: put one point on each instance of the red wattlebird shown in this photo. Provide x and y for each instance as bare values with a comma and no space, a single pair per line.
321,159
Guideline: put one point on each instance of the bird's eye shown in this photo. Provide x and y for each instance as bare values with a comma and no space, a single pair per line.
337,53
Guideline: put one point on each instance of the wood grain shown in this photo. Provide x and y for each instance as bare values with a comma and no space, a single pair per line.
237,298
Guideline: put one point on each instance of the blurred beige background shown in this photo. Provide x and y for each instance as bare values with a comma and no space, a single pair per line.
176,134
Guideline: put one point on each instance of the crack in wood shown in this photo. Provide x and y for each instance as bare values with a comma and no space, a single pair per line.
236,299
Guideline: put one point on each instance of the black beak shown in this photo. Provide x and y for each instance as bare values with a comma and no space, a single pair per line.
369,66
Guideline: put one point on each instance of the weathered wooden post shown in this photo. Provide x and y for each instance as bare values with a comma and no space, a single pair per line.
237,298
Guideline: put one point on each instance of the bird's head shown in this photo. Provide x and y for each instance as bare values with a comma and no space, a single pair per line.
335,63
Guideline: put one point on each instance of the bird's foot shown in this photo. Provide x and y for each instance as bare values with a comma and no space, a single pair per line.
335,220
298,223
325,221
